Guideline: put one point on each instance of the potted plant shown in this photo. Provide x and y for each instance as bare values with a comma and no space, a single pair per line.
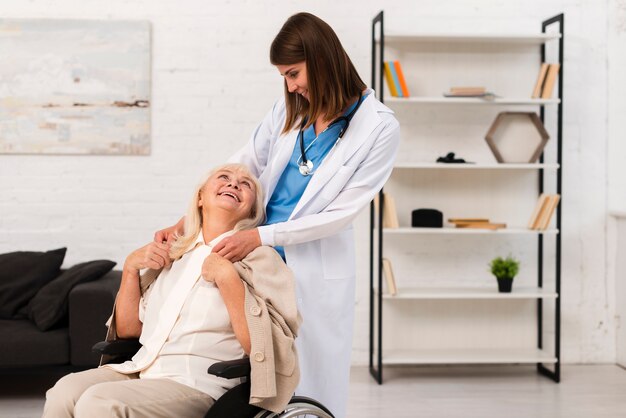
505,269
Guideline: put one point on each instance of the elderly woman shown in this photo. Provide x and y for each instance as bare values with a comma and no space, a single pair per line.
193,312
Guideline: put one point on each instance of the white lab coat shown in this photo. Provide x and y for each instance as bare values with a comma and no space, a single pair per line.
318,237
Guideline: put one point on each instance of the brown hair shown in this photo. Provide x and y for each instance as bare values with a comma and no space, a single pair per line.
332,79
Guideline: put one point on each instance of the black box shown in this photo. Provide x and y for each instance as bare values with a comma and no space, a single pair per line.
427,218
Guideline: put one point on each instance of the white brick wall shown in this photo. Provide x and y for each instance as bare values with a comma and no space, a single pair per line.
212,83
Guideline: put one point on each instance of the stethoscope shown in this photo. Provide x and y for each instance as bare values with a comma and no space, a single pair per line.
306,166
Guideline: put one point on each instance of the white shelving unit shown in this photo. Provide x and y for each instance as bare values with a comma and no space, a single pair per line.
464,356
526,303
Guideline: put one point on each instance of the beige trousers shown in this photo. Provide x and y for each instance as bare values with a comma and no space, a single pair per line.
103,392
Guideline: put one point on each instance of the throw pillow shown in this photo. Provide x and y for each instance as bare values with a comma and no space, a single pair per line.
50,304
22,274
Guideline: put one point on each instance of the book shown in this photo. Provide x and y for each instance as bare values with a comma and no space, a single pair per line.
481,225
390,216
467,220
396,80
537,211
463,91
541,78
553,201
551,76
389,278
470,92
403,86
390,82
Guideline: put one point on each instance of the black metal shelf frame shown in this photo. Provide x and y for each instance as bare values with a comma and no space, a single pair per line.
376,305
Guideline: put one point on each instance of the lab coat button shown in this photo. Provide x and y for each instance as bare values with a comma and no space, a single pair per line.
255,310
258,356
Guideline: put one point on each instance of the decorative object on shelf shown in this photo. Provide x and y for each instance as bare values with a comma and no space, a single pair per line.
505,270
391,281
476,223
390,215
542,214
517,137
480,92
451,159
426,218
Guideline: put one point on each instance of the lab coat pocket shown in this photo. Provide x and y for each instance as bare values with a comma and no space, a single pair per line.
337,182
338,255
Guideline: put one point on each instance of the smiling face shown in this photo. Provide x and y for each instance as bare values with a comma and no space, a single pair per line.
295,78
229,189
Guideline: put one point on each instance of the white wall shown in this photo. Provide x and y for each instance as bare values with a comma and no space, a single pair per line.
212,82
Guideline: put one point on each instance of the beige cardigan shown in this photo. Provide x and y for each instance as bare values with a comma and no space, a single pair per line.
273,321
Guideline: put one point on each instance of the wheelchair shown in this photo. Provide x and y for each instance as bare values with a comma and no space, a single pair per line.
234,403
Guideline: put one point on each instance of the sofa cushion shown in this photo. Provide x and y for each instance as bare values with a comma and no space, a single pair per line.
23,345
22,274
49,306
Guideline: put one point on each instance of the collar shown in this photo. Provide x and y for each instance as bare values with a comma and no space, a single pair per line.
200,240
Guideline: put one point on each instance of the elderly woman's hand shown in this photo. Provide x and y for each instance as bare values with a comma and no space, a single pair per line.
238,245
154,255
217,269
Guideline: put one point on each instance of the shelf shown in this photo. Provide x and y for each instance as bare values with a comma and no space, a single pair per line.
471,293
481,38
471,101
450,230
467,356
480,166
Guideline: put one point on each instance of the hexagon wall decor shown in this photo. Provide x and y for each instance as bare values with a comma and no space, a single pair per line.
517,137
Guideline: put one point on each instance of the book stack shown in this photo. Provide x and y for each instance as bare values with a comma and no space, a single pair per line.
390,215
546,80
469,92
476,223
395,79
542,215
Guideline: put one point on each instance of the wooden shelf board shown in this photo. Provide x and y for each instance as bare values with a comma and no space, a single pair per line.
471,100
491,38
478,166
468,356
471,293
450,230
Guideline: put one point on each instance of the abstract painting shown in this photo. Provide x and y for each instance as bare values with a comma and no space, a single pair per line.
74,87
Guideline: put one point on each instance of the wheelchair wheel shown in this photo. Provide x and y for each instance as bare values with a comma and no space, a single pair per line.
300,406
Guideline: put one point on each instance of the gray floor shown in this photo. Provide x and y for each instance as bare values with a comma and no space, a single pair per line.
597,391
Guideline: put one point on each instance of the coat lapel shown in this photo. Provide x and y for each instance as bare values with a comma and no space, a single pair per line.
365,120
279,162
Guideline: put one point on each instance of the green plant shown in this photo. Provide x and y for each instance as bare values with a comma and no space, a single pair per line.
504,268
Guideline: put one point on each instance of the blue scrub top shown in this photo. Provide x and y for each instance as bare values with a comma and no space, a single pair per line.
291,185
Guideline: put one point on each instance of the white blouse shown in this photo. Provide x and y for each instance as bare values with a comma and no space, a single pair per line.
186,327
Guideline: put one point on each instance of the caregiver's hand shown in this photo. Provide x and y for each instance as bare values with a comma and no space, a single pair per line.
238,245
168,235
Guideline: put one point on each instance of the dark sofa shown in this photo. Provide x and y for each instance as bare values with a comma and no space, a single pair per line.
23,345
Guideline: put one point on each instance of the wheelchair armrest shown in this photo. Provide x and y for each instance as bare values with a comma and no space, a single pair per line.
117,347
231,369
